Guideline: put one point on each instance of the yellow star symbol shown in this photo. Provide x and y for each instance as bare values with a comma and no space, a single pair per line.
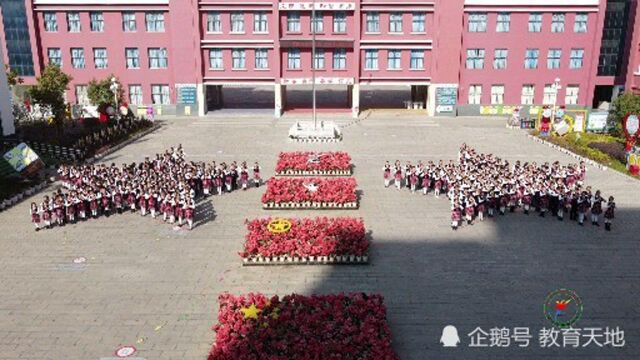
250,312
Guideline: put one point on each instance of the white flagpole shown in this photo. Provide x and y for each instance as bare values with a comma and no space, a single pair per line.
313,62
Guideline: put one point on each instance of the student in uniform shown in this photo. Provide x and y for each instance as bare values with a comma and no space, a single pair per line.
609,215
386,174
256,174
35,215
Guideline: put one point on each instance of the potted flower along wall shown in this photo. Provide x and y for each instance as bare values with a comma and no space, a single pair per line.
306,163
321,240
340,326
310,193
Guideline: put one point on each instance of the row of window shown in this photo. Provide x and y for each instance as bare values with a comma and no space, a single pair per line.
477,22
160,94
214,22
154,21
549,96
475,58
372,22
158,58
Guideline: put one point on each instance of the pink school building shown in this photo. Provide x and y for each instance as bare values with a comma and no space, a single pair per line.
459,57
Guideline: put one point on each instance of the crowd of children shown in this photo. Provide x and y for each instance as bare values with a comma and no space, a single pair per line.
165,187
481,185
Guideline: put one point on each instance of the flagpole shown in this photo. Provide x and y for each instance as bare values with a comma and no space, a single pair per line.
313,63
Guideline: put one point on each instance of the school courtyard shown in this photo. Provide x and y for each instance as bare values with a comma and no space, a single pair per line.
146,285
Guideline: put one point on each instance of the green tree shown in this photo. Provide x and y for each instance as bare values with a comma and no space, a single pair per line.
100,94
12,76
627,103
49,92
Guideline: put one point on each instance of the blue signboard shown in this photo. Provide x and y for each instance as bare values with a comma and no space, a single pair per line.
187,94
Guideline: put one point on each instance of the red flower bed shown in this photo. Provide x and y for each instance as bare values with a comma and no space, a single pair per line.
297,190
307,237
302,161
302,327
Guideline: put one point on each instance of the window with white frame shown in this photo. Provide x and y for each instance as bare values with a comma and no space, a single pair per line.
339,22
373,22
477,22
417,59
500,59
55,56
339,59
129,21
557,22
318,59
158,58
293,59
535,22
571,97
549,95
238,59
214,22
237,22
82,95
133,58
261,59
317,22
160,94
96,21
475,94
135,95
531,58
394,59
371,59
475,58
528,94
73,22
260,22
395,22
293,21
503,23
418,23
497,94
553,58
50,21
154,21
100,58
215,59
580,25
576,60
77,58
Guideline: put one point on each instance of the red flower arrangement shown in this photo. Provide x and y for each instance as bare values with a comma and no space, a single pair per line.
312,163
310,193
302,327
321,236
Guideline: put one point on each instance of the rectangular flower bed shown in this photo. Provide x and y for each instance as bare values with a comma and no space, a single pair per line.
310,193
305,241
337,326
307,163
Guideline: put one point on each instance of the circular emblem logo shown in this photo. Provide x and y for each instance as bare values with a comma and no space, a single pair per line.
125,351
278,226
563,307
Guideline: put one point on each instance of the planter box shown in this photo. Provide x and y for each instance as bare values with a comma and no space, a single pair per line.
306,260
311,206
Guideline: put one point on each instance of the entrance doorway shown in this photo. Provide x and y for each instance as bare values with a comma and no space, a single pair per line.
603,93
249,97
328,98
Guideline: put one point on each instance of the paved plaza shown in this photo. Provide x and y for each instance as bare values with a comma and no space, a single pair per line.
146,285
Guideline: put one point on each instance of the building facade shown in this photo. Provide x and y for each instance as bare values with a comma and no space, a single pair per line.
457,56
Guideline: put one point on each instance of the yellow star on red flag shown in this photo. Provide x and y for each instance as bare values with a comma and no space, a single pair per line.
250,312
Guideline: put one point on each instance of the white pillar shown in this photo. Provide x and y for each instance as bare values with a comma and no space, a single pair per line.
202,99
355,100
6,111
279,100
431,100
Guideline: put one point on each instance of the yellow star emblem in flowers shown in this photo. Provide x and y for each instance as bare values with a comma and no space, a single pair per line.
250,312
